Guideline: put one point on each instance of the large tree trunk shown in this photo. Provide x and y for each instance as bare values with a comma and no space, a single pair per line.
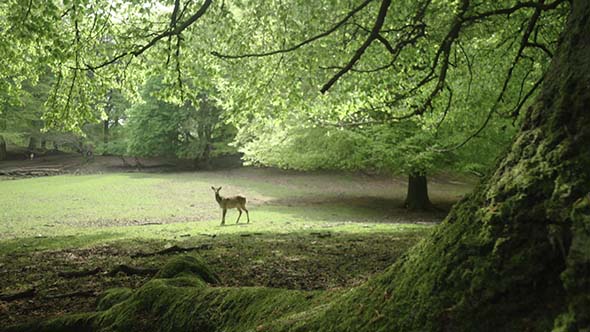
514,255
417,198
3,154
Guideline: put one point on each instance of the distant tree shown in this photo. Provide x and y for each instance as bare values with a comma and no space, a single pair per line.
165,129
21,115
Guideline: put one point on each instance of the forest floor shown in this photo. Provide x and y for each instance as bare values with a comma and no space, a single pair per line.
63,239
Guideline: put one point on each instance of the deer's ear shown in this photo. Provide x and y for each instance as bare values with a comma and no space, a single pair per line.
212,187
219,188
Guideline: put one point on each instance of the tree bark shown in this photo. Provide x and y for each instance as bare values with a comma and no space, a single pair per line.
417,198
3,154
32,143
105,132
514,255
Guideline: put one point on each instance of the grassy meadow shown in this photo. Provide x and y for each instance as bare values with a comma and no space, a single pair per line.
88,208
307,230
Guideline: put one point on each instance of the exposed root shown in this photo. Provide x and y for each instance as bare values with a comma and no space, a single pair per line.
173,249
79,274
18,296
130,270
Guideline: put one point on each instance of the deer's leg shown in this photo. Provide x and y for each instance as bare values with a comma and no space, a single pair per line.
247,214
239,210
223,216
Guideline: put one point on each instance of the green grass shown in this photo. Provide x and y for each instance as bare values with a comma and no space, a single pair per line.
70,210
307,231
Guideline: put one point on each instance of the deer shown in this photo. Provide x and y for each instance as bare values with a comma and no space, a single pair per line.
238,202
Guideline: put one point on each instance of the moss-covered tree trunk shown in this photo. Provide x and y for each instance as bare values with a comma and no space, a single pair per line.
3,154
417,197
514,255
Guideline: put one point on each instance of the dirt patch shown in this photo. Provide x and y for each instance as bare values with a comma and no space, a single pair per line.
66,163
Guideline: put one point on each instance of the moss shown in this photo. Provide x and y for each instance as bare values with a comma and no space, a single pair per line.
111,297
188,265
565,322
160,305
70,323
575,277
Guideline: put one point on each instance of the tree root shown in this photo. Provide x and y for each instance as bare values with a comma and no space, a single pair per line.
84,293
78,274
130,270
173,249
18,296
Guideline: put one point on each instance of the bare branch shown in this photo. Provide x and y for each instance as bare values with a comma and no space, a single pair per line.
540,46
516,111
447,108
469,68
525,37
77,59
409,37
173,19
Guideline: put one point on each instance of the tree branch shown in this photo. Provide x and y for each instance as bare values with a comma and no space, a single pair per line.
301,44
171,32
516,111
532,22
359,52
520,5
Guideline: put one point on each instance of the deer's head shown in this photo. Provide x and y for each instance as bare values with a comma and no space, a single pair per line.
216,190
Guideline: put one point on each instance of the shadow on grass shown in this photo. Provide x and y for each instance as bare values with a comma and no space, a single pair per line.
26,244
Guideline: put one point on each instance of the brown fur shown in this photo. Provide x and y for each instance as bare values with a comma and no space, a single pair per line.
233,202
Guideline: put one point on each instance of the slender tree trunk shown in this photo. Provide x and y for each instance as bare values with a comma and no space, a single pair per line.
43,143
417,198
105,132
3,154
32,143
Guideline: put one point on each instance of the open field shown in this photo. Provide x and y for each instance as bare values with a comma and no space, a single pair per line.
307,230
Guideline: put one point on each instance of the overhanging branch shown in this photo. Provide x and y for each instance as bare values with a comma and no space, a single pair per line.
299,45
359,52
177,30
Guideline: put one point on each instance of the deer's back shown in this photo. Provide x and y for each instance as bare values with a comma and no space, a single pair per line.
233,202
